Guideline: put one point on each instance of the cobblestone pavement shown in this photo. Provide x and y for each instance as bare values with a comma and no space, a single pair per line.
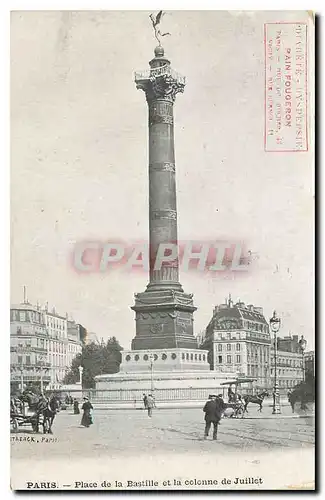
131,432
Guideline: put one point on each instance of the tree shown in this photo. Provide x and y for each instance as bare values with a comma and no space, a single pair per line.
96,359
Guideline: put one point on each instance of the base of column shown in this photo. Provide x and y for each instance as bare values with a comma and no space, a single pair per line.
164,285
164,319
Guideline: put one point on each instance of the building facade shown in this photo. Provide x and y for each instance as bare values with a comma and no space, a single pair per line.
57,345
29,343
43,344
76,338
290,367
238,339
309,360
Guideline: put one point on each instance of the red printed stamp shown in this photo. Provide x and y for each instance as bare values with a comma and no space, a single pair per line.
286,89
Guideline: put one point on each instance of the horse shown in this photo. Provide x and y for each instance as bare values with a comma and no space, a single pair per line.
49,412
258,399
302,393
42,407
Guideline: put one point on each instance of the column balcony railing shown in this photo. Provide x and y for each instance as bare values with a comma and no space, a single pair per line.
162,70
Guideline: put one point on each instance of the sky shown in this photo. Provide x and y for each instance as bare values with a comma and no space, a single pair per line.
79,163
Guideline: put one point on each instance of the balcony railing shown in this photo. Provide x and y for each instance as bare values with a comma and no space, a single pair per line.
162,70
30,367
28,349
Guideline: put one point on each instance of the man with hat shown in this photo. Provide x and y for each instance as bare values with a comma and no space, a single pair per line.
213,409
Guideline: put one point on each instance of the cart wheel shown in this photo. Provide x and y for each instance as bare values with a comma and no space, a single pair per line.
15,424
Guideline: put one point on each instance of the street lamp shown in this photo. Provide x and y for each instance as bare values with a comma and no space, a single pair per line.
303,344
275,323
42,368
152,359
21,349
80,374
266,367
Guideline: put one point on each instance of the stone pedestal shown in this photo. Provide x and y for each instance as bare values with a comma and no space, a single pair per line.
164,360
171,389
164,320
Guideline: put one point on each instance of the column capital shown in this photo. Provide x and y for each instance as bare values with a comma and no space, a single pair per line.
160,83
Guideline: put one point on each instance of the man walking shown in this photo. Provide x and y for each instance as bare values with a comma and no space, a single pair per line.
150,404
213,409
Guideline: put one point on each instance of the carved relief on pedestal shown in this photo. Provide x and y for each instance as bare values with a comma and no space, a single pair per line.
157,328
183,324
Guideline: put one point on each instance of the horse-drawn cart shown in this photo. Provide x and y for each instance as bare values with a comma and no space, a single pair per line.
22,416
237,405
234,410
34,411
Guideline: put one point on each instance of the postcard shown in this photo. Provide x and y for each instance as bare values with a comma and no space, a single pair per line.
162,250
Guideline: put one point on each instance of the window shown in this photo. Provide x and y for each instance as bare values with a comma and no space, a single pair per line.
22,315
146,357
174,356
229,360
195,357
220,360
20,360
199,357
237,347
219,347
238,358
228,347
164,356
187,356
191,357
127,358
18,330
27,360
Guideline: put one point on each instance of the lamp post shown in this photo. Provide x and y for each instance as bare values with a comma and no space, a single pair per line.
21,349
266,367
43,368
80,374
152,359
275,323
303,344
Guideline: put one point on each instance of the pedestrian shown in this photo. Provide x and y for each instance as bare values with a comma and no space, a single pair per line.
150,404
213,409
145,401
87,420
76,410
222,404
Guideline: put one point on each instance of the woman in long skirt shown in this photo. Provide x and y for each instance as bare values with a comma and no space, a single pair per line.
76,410
86,420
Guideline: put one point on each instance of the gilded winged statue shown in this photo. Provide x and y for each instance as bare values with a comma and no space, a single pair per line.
156,19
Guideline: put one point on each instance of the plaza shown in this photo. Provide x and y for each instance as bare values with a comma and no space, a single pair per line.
128,432
126,447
